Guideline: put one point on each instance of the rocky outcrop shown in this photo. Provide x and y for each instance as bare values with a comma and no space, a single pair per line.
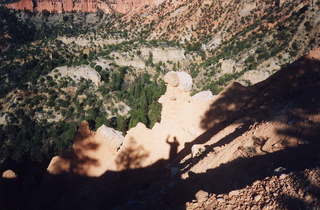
92,152
115,138
107,149
264,157
180,119
77,73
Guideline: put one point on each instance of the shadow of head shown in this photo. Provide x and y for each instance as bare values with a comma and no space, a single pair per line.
174,145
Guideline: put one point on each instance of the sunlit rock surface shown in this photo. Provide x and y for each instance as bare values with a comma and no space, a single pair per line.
93,153
180,119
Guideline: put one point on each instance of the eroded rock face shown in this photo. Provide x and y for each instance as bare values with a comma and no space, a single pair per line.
120,6
181,80
77,73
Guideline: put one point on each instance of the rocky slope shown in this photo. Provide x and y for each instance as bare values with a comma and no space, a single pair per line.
257,148
246,40
294,190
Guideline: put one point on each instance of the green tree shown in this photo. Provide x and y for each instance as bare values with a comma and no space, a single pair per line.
137,116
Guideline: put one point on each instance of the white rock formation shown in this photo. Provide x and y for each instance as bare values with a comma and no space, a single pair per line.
227,66
113,137
78,72
213,43
181,80
163,54
202,96
255,76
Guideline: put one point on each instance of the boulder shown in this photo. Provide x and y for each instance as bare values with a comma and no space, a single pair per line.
197,149
202,96
202,196
9,174
171,78
58,165
181,80
113,137
185,81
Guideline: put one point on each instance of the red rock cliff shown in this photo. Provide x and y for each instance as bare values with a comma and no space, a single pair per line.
108,6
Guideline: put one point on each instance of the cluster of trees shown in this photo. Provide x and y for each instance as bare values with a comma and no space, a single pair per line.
34,140
20,31
142,97
16,75
26,136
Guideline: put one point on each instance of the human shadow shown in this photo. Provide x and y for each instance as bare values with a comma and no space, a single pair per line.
173,147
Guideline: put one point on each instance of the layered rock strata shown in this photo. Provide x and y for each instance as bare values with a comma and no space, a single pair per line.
119,6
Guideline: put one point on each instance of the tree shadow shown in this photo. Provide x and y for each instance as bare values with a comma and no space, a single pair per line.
78,159
131,157
187,164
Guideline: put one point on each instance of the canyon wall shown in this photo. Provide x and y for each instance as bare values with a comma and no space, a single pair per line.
108,6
